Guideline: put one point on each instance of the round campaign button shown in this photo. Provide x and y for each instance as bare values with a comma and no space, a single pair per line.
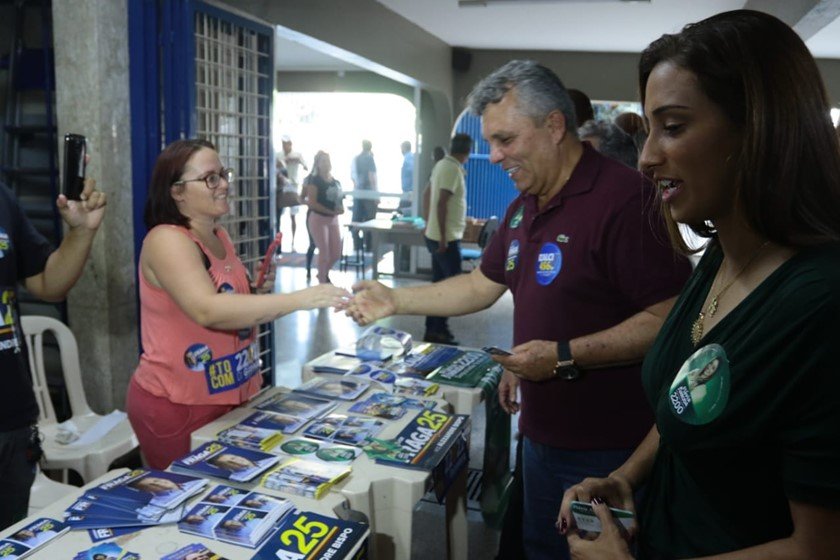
226,288
299,447
335,454
549,262
700,390
196,356
512,256
516,219
5,243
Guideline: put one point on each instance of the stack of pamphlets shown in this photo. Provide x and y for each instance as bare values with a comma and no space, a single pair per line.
325,452
326,537
424,359
342,388
251,437
340,428
466,369
304,478
297,405
390,407
432,441
194,551
106,551
271,421
225,461
339,362
235,516
138,498
31,537
415,387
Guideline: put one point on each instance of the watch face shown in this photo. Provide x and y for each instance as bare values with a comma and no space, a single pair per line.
567,373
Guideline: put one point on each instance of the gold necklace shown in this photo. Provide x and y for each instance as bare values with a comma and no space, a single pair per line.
711,309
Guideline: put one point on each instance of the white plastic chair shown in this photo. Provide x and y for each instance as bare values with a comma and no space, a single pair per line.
46,491
92,460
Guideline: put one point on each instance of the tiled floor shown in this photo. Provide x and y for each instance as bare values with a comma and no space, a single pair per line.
301,336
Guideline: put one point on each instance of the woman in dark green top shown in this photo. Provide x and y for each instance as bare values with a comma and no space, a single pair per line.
744,459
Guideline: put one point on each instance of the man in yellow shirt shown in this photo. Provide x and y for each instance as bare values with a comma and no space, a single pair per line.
447,219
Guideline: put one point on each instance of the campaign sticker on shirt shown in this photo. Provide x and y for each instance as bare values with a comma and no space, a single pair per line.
5,243
549,262
226,288
700,390
9,339
196,356
231,371
512,256
516,219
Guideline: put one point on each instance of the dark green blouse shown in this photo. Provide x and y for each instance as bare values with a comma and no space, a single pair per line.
723,482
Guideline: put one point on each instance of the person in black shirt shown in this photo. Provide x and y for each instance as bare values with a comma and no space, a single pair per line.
27,257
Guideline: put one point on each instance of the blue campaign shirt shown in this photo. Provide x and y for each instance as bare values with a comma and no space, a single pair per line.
407,172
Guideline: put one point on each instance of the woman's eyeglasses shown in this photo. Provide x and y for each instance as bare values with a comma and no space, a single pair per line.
213,180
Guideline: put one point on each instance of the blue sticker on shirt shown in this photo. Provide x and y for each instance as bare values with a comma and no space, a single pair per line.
226,289
5,243
512,256
232,371
549,262
196,356
9,338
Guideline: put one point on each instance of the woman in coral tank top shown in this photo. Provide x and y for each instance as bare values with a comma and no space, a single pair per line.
200,357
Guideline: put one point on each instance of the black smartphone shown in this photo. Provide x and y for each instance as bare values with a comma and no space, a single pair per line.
75,148
496,351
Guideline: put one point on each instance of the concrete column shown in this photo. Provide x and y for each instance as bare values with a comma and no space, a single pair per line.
92,98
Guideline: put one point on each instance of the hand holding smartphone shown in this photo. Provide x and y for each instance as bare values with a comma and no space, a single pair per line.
587,520
496,351
266,261
75,149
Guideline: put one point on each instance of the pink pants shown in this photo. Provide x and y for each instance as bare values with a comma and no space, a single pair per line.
327,237
163,427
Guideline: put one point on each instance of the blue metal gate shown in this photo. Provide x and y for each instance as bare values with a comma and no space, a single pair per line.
489,189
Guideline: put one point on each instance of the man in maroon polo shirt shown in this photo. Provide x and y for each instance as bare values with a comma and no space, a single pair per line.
586,257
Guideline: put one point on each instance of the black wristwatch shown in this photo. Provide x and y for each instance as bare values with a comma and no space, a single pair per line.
565,367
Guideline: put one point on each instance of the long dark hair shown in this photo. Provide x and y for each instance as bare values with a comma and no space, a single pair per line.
160,206
761,74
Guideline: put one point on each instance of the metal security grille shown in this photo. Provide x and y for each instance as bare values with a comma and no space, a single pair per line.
233,83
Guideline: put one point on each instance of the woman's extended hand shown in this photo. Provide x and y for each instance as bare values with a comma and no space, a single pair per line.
610,544
324,295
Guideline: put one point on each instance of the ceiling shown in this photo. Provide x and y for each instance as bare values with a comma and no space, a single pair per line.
574,25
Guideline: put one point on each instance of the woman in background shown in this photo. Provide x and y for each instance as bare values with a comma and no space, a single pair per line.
742,149
324,197
200,357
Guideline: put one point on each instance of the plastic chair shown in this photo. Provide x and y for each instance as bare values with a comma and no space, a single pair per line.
92,460
46,491
472,256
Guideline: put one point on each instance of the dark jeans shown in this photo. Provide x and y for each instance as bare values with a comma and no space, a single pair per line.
547,473
363,210
444,265
17,473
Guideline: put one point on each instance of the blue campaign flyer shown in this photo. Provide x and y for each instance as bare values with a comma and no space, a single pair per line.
273,421
225,461
304,535
202,519
150,487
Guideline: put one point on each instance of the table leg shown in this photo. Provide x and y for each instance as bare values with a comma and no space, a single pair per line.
456,518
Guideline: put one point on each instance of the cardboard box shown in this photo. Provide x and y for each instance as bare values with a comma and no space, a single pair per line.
472,230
